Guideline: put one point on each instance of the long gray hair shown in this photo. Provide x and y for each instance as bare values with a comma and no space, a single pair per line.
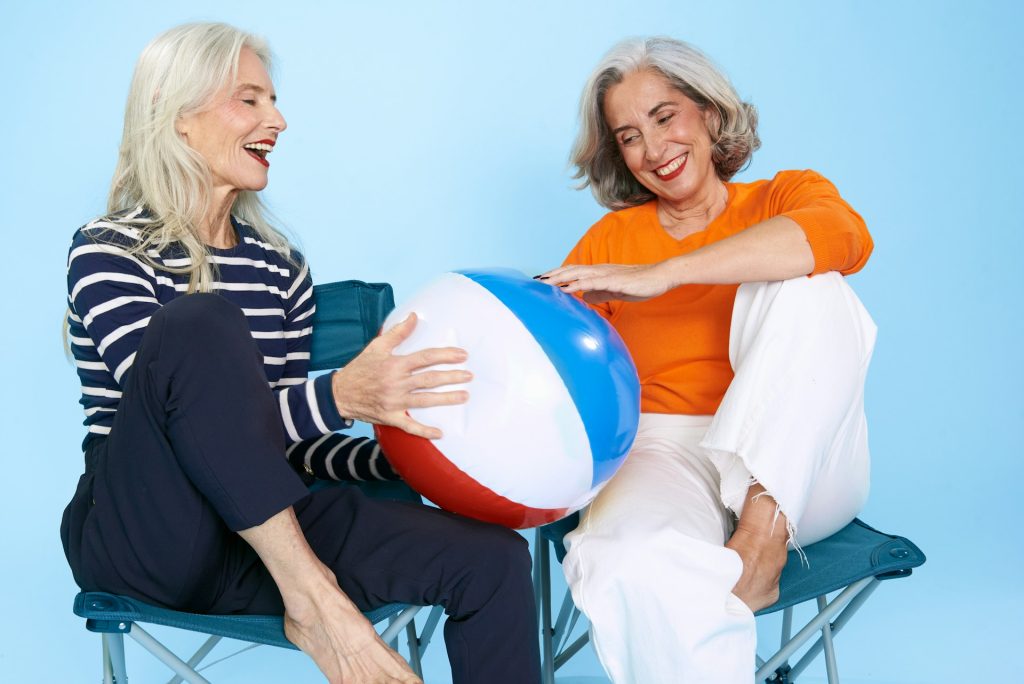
179,72
732,126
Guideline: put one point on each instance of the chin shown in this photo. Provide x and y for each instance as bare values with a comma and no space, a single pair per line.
255,185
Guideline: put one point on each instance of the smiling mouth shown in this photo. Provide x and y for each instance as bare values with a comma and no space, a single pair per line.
259,151
673,168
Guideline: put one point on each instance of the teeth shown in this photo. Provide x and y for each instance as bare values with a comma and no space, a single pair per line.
665,170
262,147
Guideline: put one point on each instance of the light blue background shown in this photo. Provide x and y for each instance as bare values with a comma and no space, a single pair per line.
430,136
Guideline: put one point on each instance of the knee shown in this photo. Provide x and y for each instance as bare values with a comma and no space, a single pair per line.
639,563
202,309
604,562
502,552
495,558
203,319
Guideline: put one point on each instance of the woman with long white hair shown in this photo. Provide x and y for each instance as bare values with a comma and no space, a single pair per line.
190,321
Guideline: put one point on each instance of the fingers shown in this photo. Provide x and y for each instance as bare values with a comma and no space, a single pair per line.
580,278
560,275
432,379
430,399
398,333
407,423
417,429
435,356
564,273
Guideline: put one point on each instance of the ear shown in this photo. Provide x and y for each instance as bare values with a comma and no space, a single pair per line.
183,125
712,121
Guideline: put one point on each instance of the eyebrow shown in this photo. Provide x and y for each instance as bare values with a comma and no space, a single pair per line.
654,110
257,88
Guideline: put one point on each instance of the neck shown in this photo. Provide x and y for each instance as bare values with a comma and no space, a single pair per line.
681,218
216,229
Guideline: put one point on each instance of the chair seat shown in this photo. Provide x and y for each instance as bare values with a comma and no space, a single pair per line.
112,613
850,562
853,553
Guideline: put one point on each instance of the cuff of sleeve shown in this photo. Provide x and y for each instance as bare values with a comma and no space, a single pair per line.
325,402
818,237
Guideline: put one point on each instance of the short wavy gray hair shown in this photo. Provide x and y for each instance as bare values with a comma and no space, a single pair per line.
598,161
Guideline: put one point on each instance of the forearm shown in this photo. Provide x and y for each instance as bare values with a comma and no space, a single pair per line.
775,249
341,457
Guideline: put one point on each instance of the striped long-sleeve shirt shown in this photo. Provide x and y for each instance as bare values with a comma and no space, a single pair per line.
112,294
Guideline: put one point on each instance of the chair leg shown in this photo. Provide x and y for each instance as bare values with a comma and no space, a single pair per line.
396,624
198,656
546,629
393,642
787,626
837,624
114,671
826,639
538,539
164,655
814,625
414,649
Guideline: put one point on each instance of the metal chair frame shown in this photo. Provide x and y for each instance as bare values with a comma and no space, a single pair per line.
115,616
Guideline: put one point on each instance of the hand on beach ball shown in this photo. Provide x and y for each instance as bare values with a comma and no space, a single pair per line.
553,406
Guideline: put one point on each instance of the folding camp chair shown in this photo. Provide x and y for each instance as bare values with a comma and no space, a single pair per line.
348,315
851,562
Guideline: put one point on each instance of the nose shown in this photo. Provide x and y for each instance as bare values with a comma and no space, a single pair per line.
275,120
654,146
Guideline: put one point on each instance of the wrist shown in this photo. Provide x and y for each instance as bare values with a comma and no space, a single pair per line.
672,272
339,394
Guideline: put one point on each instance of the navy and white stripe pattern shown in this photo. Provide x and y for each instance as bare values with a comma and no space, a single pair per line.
342,457
112,294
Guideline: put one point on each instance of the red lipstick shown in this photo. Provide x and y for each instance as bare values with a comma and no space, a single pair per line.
674,174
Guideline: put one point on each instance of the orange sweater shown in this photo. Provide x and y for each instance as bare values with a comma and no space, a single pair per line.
680,340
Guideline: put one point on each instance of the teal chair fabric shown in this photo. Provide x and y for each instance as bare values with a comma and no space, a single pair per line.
849,565
348,315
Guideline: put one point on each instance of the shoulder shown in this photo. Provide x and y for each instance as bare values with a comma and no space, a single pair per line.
805,180
110,243
783,188
621,221
781,179
123,229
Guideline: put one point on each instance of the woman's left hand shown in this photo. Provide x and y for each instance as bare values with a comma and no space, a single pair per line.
604,282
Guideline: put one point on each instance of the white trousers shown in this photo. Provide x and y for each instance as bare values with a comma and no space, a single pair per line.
648,565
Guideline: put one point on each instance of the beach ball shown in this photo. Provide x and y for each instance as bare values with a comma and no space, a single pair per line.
553,405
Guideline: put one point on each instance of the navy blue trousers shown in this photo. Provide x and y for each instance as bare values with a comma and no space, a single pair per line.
196,452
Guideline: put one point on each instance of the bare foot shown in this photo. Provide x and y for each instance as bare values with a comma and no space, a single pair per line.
318,617
345,646
763,559
760,539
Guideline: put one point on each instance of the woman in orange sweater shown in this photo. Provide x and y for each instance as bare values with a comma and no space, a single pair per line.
752,435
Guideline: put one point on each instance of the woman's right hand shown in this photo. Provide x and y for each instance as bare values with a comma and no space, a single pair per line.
379,386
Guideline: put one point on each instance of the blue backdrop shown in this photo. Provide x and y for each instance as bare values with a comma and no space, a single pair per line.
426,137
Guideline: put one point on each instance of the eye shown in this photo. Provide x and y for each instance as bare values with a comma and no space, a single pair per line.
664,119
250,102
629,138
